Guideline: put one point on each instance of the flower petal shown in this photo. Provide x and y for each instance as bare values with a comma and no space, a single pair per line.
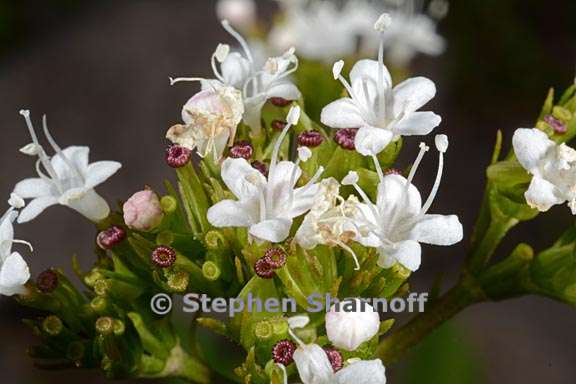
417,123
235,69
371,141
76,155
274,230
253,112
34,187
99,172
88,203
313,365
438,230
363,372
235,174
285,90
412,94
368,70
530,147
13,275
36,207
542,194
229,213
398,198
342,113
407,253
6,234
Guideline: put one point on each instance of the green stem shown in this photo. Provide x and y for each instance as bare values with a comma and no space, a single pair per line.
482,251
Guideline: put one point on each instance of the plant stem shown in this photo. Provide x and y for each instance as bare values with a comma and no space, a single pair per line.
482,252
464,294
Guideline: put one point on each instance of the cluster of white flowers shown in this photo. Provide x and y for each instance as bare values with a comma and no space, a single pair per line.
68,179
324,30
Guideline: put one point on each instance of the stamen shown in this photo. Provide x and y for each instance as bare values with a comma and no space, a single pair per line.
442,146
26,243
423,149
285,374
58,150
378,168
41,154
226,25
313,180
174,80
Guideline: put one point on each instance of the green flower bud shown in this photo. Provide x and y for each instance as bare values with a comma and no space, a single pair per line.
101,287
99,304
52,325
215,240
105,325
169,204
92,277
211,271
263,330
562,113
118,327
178,281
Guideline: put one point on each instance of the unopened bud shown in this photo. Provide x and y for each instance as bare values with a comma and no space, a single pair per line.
210,270
52,325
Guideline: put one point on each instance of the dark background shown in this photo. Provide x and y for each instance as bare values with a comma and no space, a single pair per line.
100,69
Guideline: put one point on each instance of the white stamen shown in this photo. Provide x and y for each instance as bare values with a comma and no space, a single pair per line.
423,149
314,179
226,25
304,154
351,178
383,23
298,321
337,69
271,66
349,250
293,115
174,80
441,142
26,243
221,53
436,186
16,201
58,150
378,168
284,373
30,149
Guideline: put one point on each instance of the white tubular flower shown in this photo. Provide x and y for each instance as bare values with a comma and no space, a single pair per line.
14,272
257,85
398,222
382,112
330,220
210,120
67,178
552,166
240,13
348,330
266,205
314,367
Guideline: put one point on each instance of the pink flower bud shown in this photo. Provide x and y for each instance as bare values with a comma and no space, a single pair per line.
142,211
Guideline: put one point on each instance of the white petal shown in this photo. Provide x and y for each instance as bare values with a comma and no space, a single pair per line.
342,113
13,275
413,94
99,172
253,112
368,69
313,365
396,197
241,178
36,207
542,194
89,204
6,235
235,69
304,198
371,141
76,155
285,90
417,123
228,213
362,372
407,253
530,147
348,330
274,230
438,230
33,187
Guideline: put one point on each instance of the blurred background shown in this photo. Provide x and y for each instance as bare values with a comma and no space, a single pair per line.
100,69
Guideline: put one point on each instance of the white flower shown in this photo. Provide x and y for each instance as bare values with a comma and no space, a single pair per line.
382,112
67,179
256,84
553,168
348,330
14,272
210,120
314,367
398,222
330,220
266,205
240,13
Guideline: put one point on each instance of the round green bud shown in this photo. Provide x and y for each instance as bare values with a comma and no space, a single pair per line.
118,327
263,330
52,325
169,204
105,325
210,270
214,240
101,287
178,281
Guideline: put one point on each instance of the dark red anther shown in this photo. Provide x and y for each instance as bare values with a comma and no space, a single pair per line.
278,125
345,138
177,156
275,257
558,126
283,352
335,358
109,238
163,256
310,139
280,101
263,269
262,167
392,171
241,149
47,281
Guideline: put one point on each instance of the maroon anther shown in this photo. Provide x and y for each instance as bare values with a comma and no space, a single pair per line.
558,126
260,166
278,125
280,101
283,352
392,171
345,138
177,156
310,139
109,238
263,269
241,149
47,281
335,358
275,257
163,256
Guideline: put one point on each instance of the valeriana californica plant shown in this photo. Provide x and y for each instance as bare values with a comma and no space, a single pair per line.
276,205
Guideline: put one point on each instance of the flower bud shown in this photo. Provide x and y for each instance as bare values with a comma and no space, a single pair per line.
240,13
241,149
347,330
163,256
211,271
143,211
104,325
283,352
263,269
310,139
558,126
110,237
47,281
335,358
275,257
52,325
178,156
